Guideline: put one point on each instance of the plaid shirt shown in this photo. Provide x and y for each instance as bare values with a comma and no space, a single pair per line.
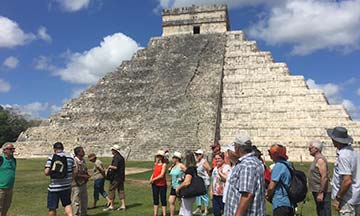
246,176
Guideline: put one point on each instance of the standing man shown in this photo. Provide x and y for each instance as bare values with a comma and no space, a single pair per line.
79,194
117,182
318,176
7,177
246,192
280,181
346,178
60,167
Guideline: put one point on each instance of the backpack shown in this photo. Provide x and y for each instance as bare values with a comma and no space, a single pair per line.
298,185
58,168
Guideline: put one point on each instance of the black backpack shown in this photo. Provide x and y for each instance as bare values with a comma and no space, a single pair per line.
298,185
58,168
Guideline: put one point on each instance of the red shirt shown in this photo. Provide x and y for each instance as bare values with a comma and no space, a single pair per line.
157,172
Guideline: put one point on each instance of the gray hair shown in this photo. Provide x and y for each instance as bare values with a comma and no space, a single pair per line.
317,144
4,146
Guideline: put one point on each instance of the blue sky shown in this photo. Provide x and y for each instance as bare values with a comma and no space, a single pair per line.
51,50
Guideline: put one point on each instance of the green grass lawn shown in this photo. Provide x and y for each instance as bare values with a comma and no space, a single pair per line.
30,192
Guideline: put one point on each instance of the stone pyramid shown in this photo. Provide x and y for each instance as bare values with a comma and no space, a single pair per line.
197,83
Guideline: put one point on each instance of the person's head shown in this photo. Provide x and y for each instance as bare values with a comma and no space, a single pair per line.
8,149
277,152
79,152
340,137
189,160
315,147
215,147
58,147
160,156
115,150
219,158
176,158
243,145
199,154
230,154
92,157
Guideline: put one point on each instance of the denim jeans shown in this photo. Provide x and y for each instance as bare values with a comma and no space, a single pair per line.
99,188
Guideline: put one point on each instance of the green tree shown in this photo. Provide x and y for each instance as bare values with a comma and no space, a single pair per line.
11,125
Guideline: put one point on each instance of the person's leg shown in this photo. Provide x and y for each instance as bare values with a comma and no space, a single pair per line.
172,199
65,197
96,191
326,211
102,190
52,202
186,204
206,200
5,200
198,204
155,195
83,199
112,188
163,190
75,197
121,191
216,205
283,211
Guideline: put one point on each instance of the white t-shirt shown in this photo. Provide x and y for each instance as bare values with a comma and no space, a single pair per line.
226,188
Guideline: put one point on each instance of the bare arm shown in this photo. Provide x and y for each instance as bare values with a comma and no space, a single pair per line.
270,190
344,187
223,175
207,167
323,179
244,202
185,183
47,171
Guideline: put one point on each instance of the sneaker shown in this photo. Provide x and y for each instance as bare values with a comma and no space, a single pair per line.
121,209
205,213
197,211
109,209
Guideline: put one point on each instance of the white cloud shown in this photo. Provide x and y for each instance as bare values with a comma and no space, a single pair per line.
332,91
73,5
333,94
11,34
43,35
4,86
311,25
11,62
35,109
44,63
89,66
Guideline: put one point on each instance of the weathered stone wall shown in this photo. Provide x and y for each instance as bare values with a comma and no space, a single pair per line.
261,99
210,19
166,97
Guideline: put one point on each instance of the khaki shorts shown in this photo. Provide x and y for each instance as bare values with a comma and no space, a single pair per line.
5,200
116,185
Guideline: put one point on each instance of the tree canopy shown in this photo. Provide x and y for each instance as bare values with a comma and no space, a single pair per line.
12,124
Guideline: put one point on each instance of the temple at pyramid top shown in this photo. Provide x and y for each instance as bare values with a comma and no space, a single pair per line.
195,20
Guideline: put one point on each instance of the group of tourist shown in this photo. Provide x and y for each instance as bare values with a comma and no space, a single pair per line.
69,176
237,182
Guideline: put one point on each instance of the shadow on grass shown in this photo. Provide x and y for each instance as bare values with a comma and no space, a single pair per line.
133,205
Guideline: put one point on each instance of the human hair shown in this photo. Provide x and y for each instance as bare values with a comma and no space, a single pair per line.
247,148
58,145
189,160
162,158
77,150
317,144
221,154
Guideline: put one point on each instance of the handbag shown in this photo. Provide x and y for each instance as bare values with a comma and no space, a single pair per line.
196,188
110,174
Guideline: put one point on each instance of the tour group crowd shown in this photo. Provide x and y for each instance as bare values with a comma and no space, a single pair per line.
234,178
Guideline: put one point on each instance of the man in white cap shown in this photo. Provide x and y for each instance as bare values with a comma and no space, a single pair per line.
246,193
346,184
318,178
117,182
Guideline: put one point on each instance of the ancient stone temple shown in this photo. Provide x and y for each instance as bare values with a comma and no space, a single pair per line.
197,83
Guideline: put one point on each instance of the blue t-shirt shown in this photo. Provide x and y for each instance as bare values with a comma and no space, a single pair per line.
281,174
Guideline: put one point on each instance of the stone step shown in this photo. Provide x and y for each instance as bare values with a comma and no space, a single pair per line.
275,94
254,66
235,36
243,46
245,81
281,107
249,58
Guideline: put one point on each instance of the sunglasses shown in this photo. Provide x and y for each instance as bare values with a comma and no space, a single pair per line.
12,149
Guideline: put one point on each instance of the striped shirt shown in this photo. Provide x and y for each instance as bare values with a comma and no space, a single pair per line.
246,176
65,183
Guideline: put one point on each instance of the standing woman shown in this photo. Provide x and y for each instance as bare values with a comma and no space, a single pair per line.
158,182
176,172
203,170
190,172
218,176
